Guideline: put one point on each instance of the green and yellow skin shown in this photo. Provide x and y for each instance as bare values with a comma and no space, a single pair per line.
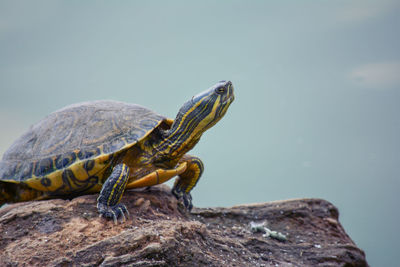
109,147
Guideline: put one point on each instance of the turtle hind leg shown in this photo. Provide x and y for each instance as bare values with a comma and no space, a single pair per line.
11,192
108,202
187,180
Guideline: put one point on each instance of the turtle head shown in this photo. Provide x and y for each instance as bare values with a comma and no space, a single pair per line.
205,109
197,115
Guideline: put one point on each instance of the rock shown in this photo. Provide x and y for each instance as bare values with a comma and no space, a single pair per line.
161,233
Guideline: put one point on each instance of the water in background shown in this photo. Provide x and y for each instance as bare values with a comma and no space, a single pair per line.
317,92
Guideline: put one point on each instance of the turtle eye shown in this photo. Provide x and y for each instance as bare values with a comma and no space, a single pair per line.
220,90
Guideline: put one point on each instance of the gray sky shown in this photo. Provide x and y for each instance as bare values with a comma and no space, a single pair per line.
317,92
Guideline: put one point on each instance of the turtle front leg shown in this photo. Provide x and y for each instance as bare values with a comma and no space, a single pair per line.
187,180
108,202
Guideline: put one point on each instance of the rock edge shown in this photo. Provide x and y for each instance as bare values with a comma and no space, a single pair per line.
161,233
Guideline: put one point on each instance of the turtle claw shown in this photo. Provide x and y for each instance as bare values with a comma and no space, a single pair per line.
186,198
113,212
187,201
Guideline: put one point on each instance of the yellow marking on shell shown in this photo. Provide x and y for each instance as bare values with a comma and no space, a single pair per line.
157,177
77,168
100,163
121,176
79,171
55,178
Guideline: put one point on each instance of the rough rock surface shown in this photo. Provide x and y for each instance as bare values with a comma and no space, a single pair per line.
160,233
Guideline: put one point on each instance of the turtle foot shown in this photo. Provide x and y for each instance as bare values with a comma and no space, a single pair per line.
113,212
184,197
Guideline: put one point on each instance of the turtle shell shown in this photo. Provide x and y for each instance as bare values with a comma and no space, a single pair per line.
76,134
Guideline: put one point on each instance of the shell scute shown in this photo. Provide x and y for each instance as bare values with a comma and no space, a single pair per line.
44,166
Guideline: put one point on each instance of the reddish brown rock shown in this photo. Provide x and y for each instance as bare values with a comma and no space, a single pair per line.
70,233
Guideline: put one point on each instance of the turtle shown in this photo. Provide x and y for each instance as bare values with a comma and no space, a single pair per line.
107,147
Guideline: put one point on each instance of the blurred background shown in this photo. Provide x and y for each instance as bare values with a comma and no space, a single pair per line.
317,92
